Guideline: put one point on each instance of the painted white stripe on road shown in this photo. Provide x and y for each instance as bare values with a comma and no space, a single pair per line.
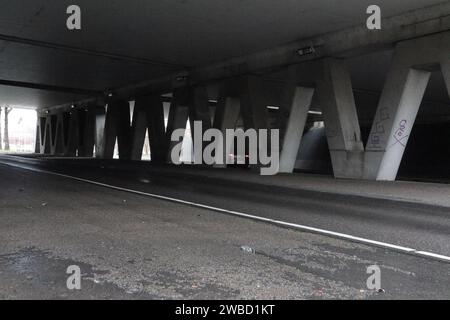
420,253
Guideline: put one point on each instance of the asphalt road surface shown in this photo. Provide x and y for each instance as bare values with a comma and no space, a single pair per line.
133,246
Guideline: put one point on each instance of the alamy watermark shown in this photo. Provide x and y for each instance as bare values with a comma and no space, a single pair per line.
74,20
74,280
374,280
236,146
374,20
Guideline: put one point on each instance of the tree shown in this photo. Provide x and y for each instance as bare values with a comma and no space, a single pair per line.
6,136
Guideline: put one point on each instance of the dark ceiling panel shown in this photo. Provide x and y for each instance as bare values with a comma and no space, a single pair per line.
124,42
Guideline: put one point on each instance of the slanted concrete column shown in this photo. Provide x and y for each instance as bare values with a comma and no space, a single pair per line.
336,99
445,67
37,141
395,116
71,132
157,131
253,103
254,109
227,114
43,135
57,134
178,117
139,126
199,113
100,119
149,115
87,122
116,125
52,123
295,106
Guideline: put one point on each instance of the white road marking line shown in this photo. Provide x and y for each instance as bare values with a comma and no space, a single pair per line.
420,253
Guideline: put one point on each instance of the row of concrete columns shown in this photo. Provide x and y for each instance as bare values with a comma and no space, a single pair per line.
327,81
413,62
68,133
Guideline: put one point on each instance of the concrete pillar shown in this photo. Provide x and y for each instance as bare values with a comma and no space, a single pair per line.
254,109
139,126
87,122
227,114
253,103
57,134
445,67
336,99
295,107
178,116
37,141
100,120
71,132
116,126
42,135
199,112
157,131
394,119
149,115
39,135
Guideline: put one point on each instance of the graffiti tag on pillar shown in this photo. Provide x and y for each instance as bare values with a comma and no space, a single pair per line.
400,135
374,20
379,129
74,20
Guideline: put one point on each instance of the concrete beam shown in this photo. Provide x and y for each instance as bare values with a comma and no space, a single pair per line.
344,43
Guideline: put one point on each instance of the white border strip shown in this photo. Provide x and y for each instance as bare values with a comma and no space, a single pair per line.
423,254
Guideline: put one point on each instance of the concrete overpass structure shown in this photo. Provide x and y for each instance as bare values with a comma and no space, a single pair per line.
220,61
356,103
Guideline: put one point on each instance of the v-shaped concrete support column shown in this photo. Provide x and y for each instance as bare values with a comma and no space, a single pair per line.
178,117
148,116
57,133
335,93
227,114
293,114
199,113
445,64
43,140
395,116
114,125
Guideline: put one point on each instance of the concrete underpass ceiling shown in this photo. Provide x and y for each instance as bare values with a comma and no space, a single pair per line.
125,42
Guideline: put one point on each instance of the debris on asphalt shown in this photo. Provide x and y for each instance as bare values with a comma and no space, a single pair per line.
248,249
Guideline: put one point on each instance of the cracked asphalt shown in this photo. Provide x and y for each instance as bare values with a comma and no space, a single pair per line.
135,247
